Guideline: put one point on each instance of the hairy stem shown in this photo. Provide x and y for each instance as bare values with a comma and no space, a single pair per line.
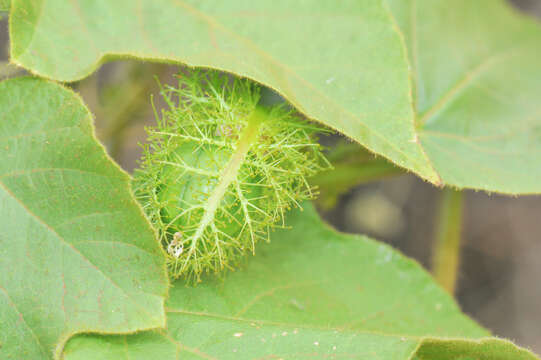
229,173
446,256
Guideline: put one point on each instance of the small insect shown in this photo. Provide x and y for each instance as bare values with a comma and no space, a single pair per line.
219,171
175,247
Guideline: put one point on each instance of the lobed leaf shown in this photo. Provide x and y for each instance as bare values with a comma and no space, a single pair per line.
341,63
310,293
77,254
475,122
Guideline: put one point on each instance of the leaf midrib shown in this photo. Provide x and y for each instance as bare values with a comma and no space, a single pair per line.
465,82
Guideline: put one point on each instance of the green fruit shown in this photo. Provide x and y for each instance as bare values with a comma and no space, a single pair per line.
219,171
181,189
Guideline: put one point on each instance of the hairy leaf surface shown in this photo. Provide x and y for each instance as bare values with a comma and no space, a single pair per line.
310,293
77,254
477,80
475,122
342,63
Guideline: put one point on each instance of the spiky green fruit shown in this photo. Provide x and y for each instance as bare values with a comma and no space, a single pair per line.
219,171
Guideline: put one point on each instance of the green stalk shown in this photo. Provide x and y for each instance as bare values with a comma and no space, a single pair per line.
229,173
446,255
352,166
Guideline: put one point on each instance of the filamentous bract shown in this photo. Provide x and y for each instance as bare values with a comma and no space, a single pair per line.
219,170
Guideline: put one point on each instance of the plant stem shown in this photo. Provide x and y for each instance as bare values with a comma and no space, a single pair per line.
446,255
353,166
229,173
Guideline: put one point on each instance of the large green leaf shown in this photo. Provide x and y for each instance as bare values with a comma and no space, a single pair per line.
342,63
476,71
76,253
311,293
4,5
477,76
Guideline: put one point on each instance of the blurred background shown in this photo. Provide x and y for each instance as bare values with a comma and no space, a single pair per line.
499,279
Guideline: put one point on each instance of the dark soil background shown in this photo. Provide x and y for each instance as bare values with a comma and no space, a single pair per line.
500,273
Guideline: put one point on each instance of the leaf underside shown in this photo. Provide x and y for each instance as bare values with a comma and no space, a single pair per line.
477,80
77,254
475,120
310,293
353,78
